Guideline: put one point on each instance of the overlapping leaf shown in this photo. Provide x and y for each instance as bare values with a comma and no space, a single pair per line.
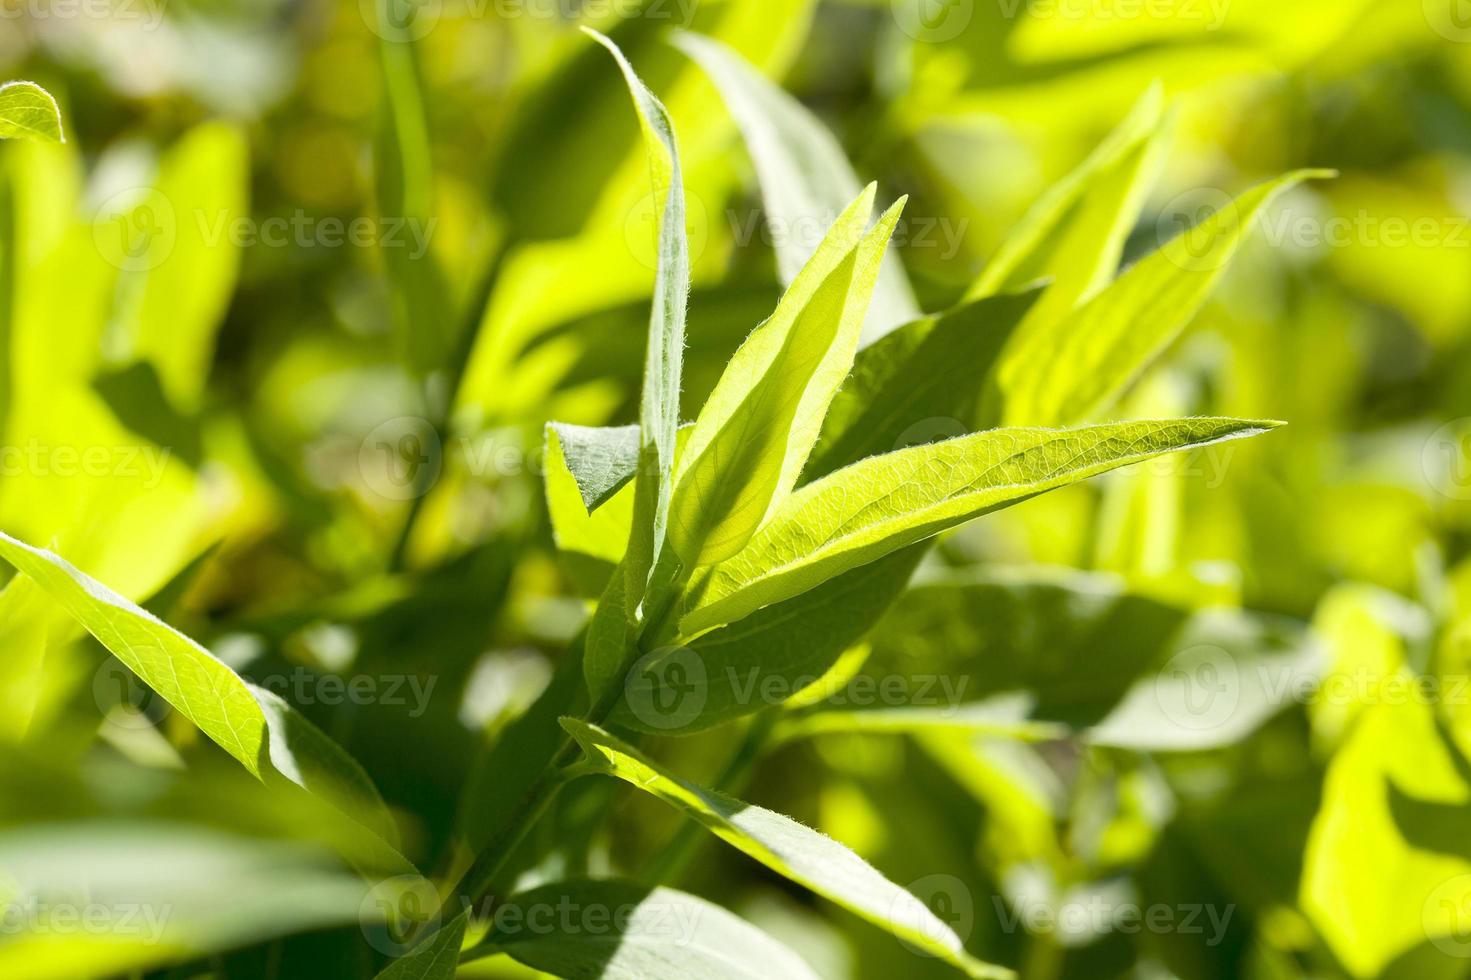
879,505
788,848
757,427
255,726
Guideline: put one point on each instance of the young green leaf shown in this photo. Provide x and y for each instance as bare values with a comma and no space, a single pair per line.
788,848
590,544
758,425
748,666
803,173
659,407
256,727
623,929
883,503
27,111
1075,367
436,958
1023,256
931,369
601,459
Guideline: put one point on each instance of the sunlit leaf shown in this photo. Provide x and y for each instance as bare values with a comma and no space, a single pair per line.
601,460
659,406
648,933
757,427
1074,368
788,848
879,505
255,726
805,178
27,111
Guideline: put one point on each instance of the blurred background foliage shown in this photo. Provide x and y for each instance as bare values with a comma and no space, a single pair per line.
320,451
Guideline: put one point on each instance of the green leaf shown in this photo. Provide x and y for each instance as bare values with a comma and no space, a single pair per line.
623,930
404,185
659,406
1115,668
929,371
436,958
1075,367
27,111
203,188
589,543
255,726
1032,248
881,504
788,848
758,425
748,666
600,459
804,175
1003,717
187,892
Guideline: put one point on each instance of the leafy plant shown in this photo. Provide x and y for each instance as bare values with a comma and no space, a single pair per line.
797,606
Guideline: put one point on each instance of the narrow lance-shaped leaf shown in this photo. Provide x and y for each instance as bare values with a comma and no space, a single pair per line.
787,847
256,727
659,407
27,111
1087,359
632,930
758,425
1023,255
404,184
883,503
938,369
436,958
1082,256
804,174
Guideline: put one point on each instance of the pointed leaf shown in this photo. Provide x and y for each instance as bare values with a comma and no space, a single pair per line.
1081,363
601,459
27,111
659,408
933,369
1023,256
788,848
255,726
883,503
805,178
623,930
436,958
758,425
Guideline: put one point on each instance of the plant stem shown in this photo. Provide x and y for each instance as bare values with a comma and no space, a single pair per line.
483,874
